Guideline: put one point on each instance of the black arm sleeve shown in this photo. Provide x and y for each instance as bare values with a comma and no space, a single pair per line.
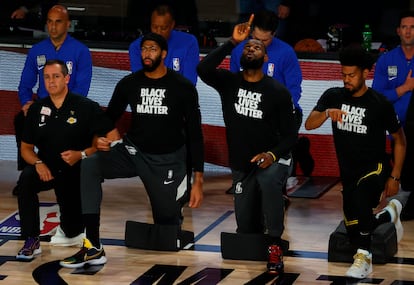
207,68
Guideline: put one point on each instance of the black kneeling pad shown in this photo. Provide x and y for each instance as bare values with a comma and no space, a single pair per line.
156,237
247,246
383,245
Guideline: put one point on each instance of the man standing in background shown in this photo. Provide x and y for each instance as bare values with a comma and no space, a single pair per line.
183,51
59,45
394,78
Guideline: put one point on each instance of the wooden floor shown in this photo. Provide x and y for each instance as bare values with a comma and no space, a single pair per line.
308,225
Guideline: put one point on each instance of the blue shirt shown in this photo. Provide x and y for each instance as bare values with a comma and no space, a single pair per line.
183,54
391,70
77,58
283,65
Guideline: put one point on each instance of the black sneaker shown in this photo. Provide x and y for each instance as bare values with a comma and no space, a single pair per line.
87,255
275,262
30,249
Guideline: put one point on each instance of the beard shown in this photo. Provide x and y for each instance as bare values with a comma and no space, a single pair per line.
352,89
251,64
153,66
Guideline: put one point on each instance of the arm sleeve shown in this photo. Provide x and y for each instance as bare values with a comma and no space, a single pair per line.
288,131
28,79
207,68
193,126
84,73
286,3
380,82
293,76
191,61
392,123
100,124
118,103
235,60
135,55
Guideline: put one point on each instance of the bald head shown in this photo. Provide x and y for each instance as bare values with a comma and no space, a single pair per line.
58,24
61,10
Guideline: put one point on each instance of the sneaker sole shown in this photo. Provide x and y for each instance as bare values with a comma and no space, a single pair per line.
30,257
350,274
56,243
64,241
100,261
397,207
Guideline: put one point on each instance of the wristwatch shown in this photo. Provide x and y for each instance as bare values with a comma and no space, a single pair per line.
83,154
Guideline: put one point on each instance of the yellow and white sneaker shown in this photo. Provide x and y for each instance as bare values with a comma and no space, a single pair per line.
362,265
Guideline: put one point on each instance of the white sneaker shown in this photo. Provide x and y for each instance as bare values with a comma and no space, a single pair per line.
394,207
60,239
362,265
291,182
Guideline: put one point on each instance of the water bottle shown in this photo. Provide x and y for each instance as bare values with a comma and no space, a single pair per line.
367,37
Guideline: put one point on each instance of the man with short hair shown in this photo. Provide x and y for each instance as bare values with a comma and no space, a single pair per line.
61,127
165,125
282,65
261,132
394,78
183,51
59,45
361,118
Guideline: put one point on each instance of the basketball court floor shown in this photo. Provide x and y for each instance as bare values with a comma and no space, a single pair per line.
309,222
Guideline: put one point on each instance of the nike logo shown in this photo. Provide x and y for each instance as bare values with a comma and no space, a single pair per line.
166,182
392,78
93,256
42,124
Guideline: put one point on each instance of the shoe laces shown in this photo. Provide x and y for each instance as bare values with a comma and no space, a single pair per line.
360,259
275,254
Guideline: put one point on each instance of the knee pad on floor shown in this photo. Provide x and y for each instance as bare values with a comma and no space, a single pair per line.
157,237
247,246
383,244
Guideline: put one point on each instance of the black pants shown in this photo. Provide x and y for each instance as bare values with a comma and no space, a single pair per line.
164,177
67,189
18,130
258,199
360,195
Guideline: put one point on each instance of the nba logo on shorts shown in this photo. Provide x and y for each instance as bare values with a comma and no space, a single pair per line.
270,69
176,64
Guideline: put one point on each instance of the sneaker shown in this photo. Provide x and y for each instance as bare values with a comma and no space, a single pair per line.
275,262
394,207
362,265
60,239
87,255
291,182
30,249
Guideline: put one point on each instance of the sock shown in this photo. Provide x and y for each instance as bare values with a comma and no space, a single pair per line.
365,240
92,222
383,217
276,241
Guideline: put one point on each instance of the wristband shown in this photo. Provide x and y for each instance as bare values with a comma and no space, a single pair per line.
38,162
394,178
83,154
274,156
327,113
